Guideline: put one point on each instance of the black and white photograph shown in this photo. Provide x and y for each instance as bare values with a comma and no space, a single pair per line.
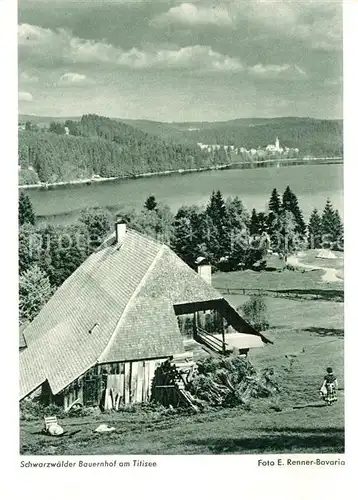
180,228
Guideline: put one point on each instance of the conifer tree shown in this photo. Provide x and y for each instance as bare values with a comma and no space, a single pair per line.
275,202
254,222
150,203
258,223
188,234
332,227
340,232
216,235
26,213
216,208
290,204
315,230
272,222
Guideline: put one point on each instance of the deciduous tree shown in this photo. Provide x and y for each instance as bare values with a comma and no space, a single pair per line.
34,291
98,223
255,312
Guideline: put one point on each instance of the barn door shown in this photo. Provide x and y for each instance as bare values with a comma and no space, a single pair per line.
91,390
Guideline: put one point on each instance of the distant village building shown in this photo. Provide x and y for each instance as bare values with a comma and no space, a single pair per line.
270,149
115,321
214,147
274,148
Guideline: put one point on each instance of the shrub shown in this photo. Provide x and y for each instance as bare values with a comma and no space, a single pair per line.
32,410
84,411
254,311
186,325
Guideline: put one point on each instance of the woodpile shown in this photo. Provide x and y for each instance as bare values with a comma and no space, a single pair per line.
171,379
214,381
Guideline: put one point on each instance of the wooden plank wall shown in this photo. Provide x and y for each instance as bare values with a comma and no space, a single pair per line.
133,387
142,373
140,377
132,380
127,382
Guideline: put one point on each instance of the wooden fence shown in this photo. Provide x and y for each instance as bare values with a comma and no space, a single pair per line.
332,295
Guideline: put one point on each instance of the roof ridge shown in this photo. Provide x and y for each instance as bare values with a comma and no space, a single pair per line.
147,237
110,239
129,303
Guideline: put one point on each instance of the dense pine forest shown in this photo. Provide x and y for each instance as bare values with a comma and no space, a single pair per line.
70,149
96,145
311,136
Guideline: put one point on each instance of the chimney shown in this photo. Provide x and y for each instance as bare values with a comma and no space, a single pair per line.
121,229
204,269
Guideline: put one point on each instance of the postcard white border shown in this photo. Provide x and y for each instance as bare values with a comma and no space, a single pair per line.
177,476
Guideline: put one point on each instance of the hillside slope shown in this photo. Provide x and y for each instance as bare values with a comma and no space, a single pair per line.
68,149
310,136
97,145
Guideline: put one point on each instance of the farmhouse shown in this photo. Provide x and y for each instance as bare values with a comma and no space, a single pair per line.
114,321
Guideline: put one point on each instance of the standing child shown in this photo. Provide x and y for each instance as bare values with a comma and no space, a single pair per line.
329,387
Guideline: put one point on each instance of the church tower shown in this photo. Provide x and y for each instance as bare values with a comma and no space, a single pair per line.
277,144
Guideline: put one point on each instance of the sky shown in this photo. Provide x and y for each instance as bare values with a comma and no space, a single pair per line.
168,60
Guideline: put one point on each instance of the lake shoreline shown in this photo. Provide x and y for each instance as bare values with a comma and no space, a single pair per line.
236,165
312,183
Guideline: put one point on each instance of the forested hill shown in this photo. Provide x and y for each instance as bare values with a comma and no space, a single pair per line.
310,136
97,145
53,150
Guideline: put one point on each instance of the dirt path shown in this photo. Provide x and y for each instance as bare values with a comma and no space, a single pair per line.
330,275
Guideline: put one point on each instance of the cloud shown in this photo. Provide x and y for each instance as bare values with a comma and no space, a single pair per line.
192,15
43,45
318,23
47,47
287,71
192,57
72,78
25,96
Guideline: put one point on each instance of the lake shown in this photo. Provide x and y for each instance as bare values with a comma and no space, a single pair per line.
312,184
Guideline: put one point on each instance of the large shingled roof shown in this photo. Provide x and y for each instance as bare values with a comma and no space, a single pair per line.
117,306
